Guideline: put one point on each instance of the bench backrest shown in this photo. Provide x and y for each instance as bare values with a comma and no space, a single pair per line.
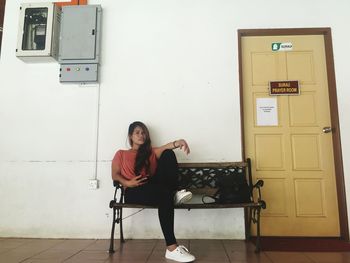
202,178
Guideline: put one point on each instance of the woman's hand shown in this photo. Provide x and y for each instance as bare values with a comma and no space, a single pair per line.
182,144
136,181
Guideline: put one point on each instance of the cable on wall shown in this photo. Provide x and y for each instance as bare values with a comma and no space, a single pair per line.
97,130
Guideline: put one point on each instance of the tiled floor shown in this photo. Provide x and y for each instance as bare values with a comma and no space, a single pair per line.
142,251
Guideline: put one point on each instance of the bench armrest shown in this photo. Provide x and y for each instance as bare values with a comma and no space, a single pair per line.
257,186
118,186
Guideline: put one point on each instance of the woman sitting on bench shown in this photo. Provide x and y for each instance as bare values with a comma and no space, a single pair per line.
150,177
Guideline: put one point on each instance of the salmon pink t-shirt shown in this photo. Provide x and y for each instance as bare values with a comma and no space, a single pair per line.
125,159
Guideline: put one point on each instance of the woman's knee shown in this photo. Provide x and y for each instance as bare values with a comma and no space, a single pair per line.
168,155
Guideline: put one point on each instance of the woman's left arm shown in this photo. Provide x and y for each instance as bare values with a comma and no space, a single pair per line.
181,143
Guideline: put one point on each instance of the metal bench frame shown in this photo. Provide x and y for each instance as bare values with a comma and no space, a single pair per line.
199,178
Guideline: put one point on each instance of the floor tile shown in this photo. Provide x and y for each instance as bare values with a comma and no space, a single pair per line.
75,243
4,249
90,255
59,254
16,256
329,257
42,261
102,245
288,257
12,242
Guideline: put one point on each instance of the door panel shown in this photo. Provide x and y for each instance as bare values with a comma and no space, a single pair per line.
294,157
297,115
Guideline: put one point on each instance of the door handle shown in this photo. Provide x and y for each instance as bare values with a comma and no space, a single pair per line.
327,129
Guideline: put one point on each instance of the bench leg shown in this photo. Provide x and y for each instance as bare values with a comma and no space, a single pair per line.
111,245
258,244
120,221
248,212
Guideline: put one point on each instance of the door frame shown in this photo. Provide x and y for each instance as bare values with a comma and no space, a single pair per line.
2,12
338,159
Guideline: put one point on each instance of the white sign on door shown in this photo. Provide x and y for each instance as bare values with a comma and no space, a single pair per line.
266,112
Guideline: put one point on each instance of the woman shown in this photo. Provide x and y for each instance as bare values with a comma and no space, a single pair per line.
149,176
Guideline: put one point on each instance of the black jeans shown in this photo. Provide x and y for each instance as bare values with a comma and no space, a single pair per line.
159,191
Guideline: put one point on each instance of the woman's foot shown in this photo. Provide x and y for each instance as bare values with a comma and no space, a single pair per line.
179,254
182,196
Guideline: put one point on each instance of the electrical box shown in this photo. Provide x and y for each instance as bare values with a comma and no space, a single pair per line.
38,32
79,50
86,73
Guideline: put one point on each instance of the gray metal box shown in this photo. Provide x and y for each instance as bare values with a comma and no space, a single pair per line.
80,34
79,73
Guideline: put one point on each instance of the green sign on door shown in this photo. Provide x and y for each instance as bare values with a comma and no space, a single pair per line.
277,46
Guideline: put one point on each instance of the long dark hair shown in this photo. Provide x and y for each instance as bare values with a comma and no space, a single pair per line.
145,150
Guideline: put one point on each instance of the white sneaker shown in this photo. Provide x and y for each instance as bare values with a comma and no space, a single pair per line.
180,254
182,196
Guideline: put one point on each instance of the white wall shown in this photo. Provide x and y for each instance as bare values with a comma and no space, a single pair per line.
173,65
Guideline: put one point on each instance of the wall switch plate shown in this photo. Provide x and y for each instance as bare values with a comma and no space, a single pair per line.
93,184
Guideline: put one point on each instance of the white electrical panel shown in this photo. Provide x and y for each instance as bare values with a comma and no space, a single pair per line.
38,32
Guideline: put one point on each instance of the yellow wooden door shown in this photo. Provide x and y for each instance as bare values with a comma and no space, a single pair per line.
284,135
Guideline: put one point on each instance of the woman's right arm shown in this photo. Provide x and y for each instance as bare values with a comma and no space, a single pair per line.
117,176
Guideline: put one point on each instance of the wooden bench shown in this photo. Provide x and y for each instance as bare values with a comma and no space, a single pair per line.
201,179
